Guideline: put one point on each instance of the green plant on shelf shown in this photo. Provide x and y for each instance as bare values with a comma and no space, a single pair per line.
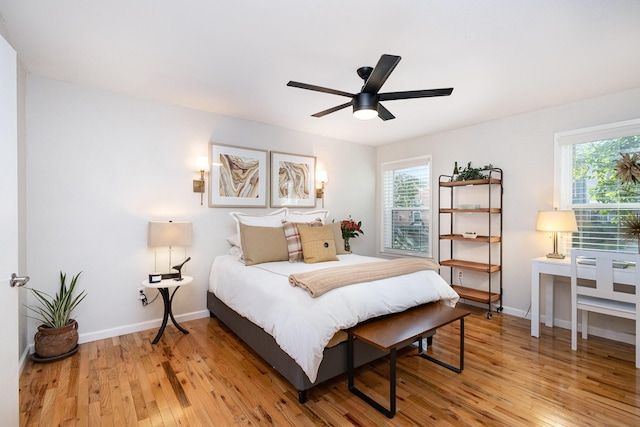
470,173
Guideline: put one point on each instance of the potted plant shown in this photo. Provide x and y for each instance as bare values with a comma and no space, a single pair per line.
57,334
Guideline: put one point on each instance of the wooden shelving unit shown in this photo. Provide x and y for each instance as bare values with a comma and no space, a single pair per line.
493,239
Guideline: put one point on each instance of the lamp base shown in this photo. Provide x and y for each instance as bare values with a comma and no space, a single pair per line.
555,255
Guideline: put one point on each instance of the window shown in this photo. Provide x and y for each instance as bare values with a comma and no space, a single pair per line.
406,201
586,182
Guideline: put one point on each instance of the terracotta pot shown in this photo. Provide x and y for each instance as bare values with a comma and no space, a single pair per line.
53,342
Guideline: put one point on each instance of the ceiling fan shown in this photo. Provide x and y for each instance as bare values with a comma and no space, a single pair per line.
366,103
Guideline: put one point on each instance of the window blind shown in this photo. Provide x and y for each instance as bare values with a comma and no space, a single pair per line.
587,183
406,201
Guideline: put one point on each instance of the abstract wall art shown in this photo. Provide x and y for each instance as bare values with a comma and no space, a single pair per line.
238,177
292,180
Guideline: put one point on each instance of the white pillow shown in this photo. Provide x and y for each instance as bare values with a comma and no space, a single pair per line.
308,216
272,219
234,240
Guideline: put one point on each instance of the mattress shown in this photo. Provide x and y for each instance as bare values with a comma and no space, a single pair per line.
302,325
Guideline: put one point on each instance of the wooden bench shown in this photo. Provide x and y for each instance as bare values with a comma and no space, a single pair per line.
389,332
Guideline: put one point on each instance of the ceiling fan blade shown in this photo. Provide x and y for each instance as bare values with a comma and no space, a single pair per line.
332,110
380,73
384,114
319,89
415,94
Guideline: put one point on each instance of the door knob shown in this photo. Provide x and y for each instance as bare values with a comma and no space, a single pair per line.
18,281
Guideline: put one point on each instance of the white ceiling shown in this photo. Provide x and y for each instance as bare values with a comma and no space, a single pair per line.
503,57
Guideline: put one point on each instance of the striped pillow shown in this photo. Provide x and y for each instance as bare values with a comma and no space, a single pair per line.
294,244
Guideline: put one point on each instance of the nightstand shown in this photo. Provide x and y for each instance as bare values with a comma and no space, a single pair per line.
163,287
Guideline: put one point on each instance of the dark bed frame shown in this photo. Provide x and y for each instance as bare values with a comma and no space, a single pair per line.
334,361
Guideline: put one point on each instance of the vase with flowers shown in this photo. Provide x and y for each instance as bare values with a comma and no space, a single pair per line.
350,229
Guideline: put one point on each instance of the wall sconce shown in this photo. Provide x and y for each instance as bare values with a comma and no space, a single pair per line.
168,233
321,177
556,222
202,166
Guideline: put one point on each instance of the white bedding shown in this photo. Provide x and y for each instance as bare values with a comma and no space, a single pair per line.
303,325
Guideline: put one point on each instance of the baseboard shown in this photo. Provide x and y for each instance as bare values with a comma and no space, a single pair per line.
597,332
123,330
565,324
137,327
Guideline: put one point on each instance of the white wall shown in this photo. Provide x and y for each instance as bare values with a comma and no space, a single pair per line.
523,146
100,165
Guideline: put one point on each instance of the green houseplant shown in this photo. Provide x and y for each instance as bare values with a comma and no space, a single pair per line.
58,333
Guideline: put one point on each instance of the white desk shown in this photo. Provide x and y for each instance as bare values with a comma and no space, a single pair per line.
549,267
163,288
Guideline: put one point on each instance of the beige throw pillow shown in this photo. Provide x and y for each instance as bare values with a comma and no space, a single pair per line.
263,244
317,243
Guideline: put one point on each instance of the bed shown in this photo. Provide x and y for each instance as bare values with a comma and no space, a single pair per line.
285,326
296,328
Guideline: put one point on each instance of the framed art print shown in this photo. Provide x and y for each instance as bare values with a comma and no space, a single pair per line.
293,180
238,177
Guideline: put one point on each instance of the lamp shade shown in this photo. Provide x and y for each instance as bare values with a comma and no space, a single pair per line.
169,233
202,164
321,176
562,221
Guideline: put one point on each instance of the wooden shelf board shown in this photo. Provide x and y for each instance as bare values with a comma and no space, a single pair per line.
470,182
480,210
470,265
476,294
481,239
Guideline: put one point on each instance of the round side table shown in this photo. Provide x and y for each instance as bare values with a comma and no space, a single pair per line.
163,287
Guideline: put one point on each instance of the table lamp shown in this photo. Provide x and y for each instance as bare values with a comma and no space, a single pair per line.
169,233
556,221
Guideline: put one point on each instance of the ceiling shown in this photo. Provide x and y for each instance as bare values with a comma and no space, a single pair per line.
502,57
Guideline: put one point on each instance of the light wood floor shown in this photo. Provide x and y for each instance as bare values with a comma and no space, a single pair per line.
210,378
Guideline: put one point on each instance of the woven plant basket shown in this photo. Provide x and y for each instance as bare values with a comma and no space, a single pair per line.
54,342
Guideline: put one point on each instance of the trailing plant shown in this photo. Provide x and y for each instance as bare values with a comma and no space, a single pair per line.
469,173
628,172
55,312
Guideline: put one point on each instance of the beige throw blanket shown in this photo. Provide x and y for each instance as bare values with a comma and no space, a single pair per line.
321,281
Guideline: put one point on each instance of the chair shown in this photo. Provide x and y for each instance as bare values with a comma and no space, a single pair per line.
604,298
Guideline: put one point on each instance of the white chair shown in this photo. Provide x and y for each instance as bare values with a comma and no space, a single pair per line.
603,298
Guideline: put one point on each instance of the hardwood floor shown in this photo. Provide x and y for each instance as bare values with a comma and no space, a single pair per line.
210,378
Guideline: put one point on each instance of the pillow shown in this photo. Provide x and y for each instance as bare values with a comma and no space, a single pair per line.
308,216
234,240
317,243
235,251
263,244
272,219
337,237
292,236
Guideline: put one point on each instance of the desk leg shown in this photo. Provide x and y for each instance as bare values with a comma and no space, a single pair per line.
535,300
167,313
548,310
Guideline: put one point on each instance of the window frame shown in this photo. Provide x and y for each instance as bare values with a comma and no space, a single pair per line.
563,168
423,160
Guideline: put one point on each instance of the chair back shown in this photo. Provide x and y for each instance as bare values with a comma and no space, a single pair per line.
601,267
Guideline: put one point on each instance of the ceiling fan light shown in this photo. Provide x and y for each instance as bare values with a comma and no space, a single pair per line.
365,114
365,106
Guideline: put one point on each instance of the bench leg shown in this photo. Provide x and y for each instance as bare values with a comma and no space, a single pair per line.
441,363
389,413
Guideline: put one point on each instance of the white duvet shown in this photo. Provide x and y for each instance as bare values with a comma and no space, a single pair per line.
303,325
